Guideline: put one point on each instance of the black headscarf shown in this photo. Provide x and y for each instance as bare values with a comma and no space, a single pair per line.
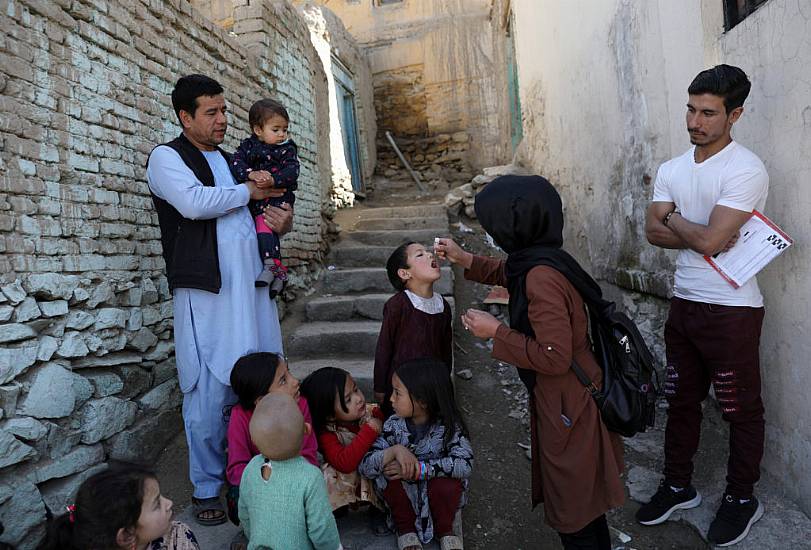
524,215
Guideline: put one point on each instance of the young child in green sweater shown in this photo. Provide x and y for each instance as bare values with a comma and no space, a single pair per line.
283,500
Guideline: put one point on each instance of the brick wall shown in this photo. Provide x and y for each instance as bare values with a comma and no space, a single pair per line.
86,352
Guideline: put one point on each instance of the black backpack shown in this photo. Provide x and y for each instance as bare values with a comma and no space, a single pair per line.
627,401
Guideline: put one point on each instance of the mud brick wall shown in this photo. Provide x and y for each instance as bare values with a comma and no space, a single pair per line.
86,354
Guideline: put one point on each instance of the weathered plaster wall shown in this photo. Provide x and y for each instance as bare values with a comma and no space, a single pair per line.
86,353
435,70
603,88
774,45
330,38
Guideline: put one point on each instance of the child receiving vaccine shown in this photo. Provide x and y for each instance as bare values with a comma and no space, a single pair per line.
346,428
268,156
283,501
254,376
121,507
416,320
422,461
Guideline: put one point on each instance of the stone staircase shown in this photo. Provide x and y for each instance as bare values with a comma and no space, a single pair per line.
342,319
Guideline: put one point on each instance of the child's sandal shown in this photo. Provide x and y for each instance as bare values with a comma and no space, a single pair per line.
451,542
409,540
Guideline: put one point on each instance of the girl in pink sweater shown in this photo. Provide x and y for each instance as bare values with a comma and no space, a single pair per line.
254,376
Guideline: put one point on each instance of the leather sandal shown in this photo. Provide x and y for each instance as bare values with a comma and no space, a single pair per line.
214,508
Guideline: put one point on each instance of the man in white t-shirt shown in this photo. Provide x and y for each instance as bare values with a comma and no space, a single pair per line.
700,201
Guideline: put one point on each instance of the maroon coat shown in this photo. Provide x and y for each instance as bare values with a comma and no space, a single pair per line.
575,469
408,333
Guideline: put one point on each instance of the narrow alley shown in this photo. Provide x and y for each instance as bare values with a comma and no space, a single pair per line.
397,115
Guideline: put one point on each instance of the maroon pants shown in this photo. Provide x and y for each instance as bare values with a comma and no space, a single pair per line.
443,500
707,344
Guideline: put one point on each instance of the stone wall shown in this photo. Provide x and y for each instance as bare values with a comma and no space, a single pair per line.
86,363
600,116
442,158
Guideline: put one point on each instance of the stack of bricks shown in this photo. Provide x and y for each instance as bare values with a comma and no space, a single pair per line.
86,353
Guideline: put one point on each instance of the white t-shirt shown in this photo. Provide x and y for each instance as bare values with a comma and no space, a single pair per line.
734,177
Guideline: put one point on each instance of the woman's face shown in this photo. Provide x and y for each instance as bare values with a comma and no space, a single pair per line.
156,514
284,381
355,403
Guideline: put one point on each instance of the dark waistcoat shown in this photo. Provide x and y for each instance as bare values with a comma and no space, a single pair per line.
190,246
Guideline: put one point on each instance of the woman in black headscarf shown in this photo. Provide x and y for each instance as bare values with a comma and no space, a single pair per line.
576,461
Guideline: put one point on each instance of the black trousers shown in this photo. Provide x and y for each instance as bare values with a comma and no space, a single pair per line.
594,536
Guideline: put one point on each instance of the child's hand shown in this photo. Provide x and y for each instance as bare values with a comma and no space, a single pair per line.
392,470
480,323
407,462
261,177
447,249
374,423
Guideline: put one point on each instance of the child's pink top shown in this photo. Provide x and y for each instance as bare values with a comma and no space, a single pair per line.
241,449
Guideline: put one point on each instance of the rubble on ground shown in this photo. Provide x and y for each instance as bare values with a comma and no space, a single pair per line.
460,199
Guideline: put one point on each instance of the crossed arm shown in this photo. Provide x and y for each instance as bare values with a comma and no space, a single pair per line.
720,234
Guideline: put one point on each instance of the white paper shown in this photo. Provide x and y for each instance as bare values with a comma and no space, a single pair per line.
759,243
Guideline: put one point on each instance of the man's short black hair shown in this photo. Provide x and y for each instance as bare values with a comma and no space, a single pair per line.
725,81
189,88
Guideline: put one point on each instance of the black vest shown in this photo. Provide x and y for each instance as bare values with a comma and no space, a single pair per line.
190,246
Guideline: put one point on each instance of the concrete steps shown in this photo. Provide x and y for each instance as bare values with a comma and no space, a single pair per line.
345,308
351,254
331,339
373,279
416,211
394,238
361,369
381,224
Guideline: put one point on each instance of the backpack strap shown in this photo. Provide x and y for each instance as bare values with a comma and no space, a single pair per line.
585,380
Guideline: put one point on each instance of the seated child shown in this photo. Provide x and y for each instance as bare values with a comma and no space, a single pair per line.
254,376
121,507
416,321
283,501
422,461
346,428
268,156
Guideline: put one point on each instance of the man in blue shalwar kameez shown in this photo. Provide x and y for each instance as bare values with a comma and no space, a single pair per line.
210,248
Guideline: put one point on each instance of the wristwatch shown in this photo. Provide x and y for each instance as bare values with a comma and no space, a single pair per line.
668,215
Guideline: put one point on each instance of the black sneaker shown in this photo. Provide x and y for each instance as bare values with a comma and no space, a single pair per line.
733,520
665,502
